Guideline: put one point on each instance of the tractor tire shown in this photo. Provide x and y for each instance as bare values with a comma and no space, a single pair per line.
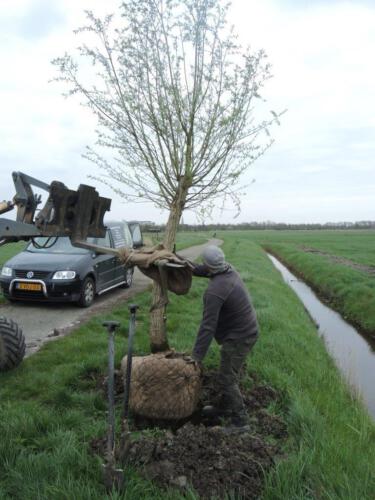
12,344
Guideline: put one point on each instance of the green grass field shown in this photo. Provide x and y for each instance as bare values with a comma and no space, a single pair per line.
357,245
50,407
343,274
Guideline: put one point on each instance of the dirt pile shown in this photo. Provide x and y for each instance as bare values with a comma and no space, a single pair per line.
206,459
201,455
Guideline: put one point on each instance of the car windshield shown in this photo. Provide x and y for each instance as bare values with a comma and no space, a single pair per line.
60,244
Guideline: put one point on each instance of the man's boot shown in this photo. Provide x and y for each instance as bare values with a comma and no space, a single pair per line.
239,423
211,411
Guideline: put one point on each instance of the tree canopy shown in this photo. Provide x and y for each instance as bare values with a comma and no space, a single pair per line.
174,96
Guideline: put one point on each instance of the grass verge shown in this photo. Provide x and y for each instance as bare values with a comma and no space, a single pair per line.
349,291
50,407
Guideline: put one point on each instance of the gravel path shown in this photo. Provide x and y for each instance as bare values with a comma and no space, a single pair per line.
47,321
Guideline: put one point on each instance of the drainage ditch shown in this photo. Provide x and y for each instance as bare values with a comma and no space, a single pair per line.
354,355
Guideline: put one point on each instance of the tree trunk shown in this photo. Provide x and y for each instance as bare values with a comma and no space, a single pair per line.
158,321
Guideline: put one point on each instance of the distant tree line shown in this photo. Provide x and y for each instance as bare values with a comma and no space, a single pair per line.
264,225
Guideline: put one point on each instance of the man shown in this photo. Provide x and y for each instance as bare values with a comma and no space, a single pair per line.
229,317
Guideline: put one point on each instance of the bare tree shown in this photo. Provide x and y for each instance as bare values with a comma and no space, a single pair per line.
174,96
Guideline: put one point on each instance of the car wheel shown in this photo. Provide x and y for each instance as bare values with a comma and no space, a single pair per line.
128,277
12,344
87,292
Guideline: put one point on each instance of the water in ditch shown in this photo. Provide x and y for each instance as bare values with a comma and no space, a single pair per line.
353,354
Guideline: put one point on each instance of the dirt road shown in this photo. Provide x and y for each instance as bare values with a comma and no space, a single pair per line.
41,321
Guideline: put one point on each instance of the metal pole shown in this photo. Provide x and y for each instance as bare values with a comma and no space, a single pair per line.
109,468
133,309
125,441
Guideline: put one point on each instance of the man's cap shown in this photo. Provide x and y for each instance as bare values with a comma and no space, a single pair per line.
214,258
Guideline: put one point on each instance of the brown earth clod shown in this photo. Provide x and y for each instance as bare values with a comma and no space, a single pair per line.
196,453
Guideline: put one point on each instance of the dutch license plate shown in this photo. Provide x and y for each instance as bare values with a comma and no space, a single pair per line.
32,287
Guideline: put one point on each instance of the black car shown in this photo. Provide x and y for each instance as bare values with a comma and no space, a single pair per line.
52,269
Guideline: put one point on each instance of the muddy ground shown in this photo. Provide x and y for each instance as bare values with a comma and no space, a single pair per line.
198,454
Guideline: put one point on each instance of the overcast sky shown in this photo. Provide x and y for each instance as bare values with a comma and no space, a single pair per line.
321,167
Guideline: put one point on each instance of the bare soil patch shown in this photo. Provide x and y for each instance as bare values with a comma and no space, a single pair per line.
197,452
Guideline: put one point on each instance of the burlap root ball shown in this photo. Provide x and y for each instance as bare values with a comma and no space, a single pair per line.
163,386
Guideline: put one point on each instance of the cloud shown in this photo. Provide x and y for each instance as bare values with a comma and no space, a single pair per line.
32,20
321,165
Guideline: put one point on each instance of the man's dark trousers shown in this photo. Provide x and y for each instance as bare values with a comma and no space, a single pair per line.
233,357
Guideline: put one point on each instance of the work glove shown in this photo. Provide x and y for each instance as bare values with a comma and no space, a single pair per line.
197,363
188,262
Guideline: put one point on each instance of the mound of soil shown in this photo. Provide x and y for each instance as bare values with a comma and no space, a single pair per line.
198,453
201,455
205,458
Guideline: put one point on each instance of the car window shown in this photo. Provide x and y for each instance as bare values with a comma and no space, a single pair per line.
101,242
128,236
121,236
60,244
137,236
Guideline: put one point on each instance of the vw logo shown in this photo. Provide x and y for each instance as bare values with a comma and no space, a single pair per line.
30,274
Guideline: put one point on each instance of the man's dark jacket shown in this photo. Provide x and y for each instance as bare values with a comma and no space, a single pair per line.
228,312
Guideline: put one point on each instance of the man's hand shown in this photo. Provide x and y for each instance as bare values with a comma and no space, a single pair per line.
188,262
195,362
198,365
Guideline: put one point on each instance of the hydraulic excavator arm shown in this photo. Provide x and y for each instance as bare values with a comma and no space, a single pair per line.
78,214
